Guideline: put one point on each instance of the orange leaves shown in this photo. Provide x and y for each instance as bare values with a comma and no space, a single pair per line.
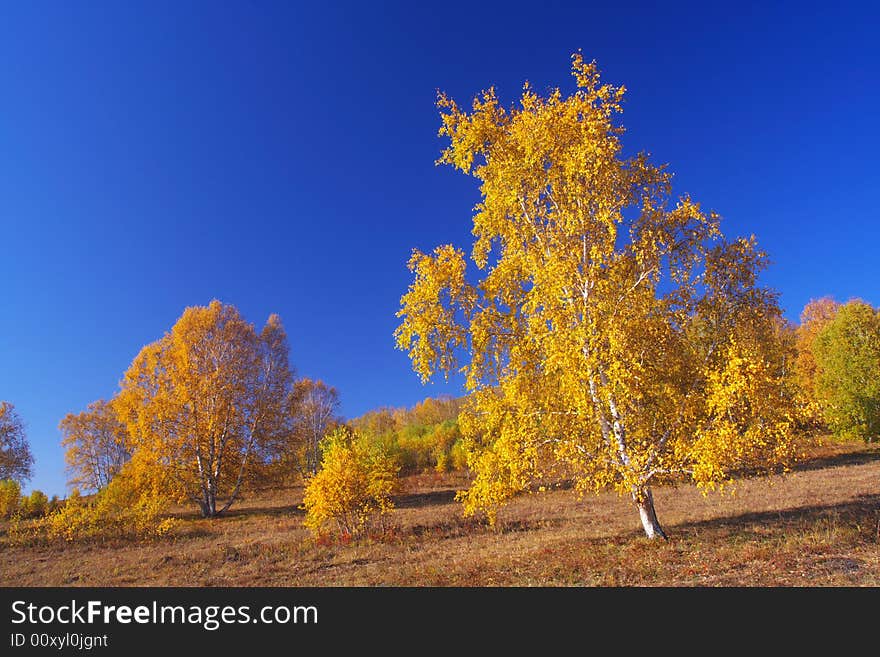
199,401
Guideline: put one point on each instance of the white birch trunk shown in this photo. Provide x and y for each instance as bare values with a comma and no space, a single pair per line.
645,503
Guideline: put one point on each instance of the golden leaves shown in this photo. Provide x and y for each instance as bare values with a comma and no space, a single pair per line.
200,400
613,333
354,485
432,309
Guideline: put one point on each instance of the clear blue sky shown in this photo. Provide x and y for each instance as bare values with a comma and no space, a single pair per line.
280,157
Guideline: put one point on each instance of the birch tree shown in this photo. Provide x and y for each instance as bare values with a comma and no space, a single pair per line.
206,401
96,446
612,335
315,413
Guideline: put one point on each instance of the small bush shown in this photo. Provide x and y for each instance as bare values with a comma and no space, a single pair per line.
353,487
458,455
119,510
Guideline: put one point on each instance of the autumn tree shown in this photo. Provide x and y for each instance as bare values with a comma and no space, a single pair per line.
434,410
315,408
378,421
16,460
96,445
614,336
815,316
847,382
207,401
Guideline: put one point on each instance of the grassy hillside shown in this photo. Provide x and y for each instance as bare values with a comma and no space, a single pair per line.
818,526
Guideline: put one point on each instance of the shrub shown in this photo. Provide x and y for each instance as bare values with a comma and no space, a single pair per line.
352,488
443,439
121,509
54,504
458,455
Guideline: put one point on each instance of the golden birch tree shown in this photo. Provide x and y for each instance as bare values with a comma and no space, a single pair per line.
206,402
614,335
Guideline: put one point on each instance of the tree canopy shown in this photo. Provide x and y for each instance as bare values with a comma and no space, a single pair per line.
16,459
614,335
96,445
847,378
208,401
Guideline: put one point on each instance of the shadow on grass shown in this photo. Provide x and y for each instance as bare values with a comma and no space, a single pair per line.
430,498
447,496
863,512
862,457
240,512
282,510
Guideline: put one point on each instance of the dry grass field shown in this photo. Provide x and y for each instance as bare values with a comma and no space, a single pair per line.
818,526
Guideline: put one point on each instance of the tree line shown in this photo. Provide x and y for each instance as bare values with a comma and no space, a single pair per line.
209,409
205,443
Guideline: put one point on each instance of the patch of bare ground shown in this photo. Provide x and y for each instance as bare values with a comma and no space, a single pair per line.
816,526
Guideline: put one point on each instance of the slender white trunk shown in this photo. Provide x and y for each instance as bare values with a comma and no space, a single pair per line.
645,503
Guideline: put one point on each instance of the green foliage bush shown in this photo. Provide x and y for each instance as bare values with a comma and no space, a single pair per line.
847,354
35,505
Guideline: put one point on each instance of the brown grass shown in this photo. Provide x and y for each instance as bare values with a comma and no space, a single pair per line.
818,526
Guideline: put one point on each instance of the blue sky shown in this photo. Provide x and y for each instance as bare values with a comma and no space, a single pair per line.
280,157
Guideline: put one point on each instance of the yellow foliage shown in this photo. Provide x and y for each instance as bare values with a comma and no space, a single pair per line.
816,315
131,505
423,437
353,486
34,505
206,401
10,497
614,336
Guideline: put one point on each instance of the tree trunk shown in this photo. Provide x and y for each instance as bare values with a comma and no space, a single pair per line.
645,503
208,504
